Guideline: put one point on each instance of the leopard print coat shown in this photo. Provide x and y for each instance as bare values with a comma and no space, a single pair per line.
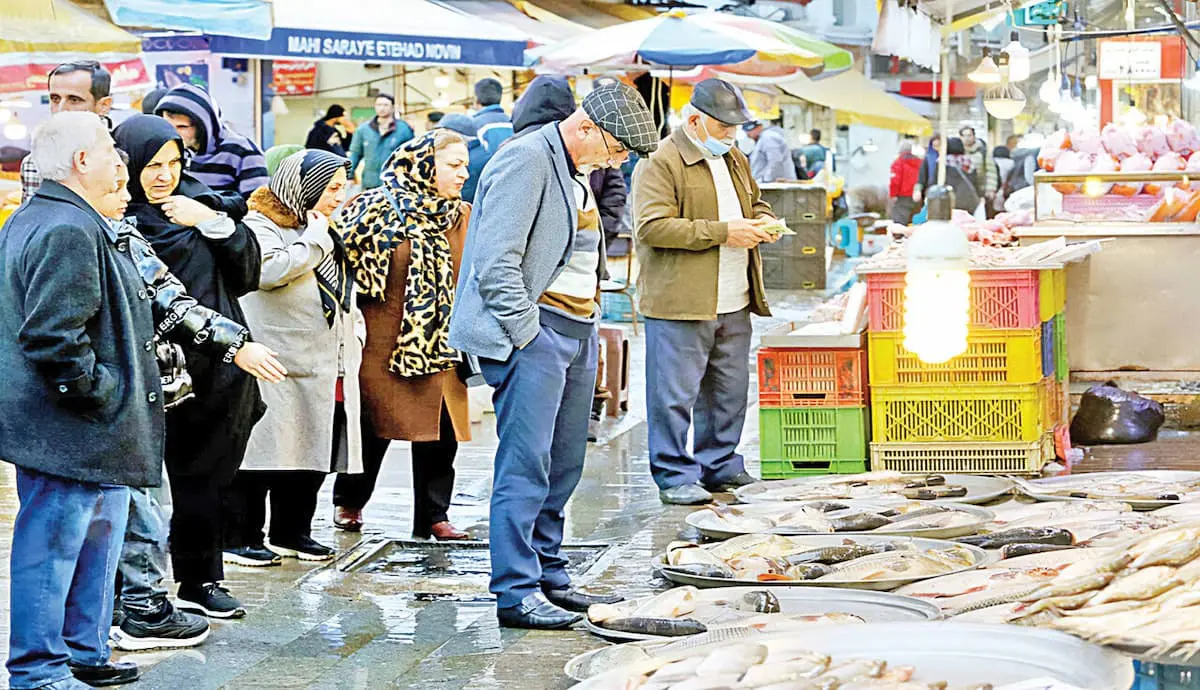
407,208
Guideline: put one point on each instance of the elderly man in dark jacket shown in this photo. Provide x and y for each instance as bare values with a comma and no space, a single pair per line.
80,412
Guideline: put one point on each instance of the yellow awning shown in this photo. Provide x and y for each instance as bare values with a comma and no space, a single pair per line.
855,100
57,26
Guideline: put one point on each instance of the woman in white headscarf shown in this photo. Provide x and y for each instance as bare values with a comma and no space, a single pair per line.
304,310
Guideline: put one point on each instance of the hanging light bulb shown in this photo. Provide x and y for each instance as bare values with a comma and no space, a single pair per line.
1048,91
14,130
1091,81
441,81
1018,59
986,72
1133,117
278,105
1004,102
937,285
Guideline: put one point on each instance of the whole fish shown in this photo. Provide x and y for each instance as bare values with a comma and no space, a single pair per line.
859,522
759,601
829,555
734,658
672,603
701,570
1017,550
663,627
1141,584
934,493
1020,535
1174,547
806,571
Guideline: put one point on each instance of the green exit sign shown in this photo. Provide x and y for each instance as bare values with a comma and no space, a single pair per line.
1042,14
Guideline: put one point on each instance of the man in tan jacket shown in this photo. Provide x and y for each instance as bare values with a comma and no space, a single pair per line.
699,220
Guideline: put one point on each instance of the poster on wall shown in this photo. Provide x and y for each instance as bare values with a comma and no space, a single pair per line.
169,76
294,77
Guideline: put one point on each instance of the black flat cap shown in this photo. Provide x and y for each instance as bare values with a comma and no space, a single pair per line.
721,101
619,110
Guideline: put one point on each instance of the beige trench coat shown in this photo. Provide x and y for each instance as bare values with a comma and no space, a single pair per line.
286,315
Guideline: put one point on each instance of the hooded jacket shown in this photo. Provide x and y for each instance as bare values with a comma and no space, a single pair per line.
550,99
226,161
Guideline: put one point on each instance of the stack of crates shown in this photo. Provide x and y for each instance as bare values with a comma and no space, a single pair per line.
796,262
992,409
812,409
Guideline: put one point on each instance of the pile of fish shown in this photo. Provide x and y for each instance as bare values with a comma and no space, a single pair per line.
686,611
1023,528
1145,596
776,664
773,558
995,583
916,487
1152,487
828,517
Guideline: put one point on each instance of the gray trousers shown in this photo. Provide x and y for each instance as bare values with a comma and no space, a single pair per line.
697,371
143,565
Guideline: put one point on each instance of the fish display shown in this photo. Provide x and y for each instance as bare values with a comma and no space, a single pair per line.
831,517
1142,487
1144,595
685,611
1021,535
769,558
994,584
867,485
770,664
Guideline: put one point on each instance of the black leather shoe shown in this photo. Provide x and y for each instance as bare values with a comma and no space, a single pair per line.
735,482
573,600
536,613
112,673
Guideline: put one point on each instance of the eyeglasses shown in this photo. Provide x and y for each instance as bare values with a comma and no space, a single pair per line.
620,151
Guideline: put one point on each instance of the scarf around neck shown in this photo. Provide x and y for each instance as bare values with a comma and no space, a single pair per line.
407,208
299,182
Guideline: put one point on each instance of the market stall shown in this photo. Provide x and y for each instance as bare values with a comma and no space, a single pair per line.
1130,310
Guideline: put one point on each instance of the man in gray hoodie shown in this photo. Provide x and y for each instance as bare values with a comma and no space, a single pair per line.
527,306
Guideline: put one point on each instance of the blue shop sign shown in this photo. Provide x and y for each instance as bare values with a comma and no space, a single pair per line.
309,44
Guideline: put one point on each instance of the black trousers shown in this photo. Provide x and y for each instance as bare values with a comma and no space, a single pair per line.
293,496
197,517
433,474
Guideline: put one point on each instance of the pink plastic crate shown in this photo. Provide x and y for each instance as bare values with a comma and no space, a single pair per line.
999,299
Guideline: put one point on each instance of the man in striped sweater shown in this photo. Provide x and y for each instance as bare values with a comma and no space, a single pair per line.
220,157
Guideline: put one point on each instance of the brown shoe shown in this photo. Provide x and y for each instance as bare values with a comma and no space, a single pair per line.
347,519
444,531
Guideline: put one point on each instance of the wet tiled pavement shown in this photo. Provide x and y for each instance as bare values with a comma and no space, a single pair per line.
380,623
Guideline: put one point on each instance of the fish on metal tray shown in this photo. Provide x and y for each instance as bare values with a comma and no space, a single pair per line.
759,601
1020,535
830,555
663,627
859,522
1024,549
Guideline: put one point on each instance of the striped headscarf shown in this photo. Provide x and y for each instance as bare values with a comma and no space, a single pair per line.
299,182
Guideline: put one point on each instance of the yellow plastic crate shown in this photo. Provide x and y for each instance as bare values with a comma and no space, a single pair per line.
1052,292
992,356
963,458
1052,412
1004,413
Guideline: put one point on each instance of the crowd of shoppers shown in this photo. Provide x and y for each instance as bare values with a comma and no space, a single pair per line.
172,297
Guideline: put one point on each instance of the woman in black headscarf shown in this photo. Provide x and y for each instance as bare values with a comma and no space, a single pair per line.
217,260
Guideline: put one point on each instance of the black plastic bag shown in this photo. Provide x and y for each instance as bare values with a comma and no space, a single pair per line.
1108,415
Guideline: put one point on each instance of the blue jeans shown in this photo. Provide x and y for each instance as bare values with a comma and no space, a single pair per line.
697,370
66,544
143,565
543,397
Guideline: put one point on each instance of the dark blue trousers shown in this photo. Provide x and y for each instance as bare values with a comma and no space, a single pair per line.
697,371
66,544
543,395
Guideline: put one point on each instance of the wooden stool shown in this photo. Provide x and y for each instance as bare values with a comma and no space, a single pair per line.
616,369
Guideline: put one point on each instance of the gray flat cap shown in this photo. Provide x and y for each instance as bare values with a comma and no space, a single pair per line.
721,101
459,123
619,110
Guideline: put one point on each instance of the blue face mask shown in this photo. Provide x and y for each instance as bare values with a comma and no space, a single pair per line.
715,146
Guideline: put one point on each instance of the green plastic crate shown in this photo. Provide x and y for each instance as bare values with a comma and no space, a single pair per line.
798,442
1060,346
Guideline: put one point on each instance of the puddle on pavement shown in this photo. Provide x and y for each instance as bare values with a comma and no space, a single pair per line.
430,571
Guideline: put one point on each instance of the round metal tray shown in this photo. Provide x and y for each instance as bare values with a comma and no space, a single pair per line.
701,520
872,607
958,653
980,488
1031,487
981,558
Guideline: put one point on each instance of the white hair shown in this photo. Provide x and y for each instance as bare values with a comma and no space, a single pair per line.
688,111
57,140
